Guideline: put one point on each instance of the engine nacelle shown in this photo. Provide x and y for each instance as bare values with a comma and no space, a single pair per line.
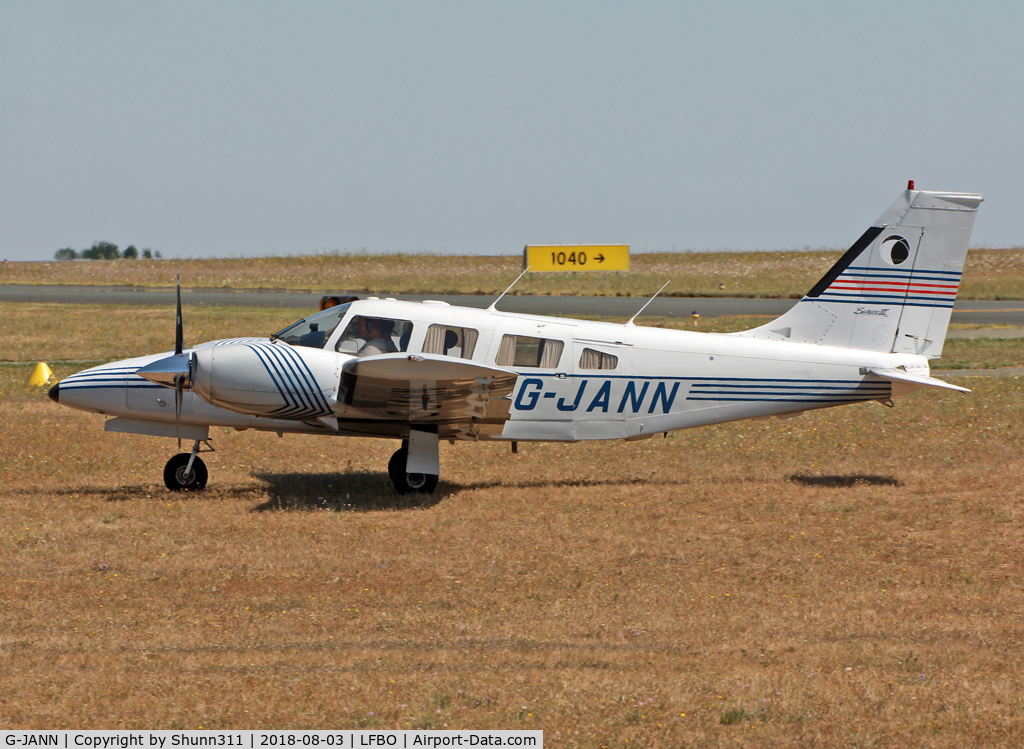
262,378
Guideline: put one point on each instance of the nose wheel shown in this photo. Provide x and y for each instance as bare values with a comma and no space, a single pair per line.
187,471
179,478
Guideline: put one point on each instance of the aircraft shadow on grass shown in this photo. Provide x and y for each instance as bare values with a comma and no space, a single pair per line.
358,491
369,491
842,482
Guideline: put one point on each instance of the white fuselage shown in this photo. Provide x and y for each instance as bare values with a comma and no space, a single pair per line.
586,381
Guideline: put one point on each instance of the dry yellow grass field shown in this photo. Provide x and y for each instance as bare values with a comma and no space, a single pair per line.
988,274
852,577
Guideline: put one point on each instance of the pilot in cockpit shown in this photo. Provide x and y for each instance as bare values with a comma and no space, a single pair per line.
377,334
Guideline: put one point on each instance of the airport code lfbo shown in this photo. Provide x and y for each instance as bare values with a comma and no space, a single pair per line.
545,258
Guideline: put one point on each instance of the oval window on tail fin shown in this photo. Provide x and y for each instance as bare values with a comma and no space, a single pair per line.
895,250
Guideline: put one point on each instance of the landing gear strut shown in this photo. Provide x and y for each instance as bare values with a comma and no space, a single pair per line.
407,483
187,471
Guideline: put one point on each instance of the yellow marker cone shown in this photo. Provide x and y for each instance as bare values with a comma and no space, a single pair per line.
40,375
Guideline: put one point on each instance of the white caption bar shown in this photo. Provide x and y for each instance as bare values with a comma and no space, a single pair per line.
267,739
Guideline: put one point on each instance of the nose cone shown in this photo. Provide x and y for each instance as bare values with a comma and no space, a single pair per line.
98,389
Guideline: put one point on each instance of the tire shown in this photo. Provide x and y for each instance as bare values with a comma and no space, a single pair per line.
397,463
175,478
408,483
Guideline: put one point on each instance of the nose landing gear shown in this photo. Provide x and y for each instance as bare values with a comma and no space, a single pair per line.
187,471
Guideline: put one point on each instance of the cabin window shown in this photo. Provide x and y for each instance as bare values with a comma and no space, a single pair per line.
524,351
592,359
372,336
449,341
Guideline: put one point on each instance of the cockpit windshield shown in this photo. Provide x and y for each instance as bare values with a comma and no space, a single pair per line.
314,330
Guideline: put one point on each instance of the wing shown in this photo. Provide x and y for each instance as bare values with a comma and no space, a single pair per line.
426,388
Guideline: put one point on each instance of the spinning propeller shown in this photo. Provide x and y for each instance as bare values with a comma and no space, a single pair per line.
173,371
180,378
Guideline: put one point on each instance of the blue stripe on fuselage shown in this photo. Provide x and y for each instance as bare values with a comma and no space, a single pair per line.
594,394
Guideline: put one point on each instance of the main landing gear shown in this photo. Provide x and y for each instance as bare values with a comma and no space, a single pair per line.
414,466
187,471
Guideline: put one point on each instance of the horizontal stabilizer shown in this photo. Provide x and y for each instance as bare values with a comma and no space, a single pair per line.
912,382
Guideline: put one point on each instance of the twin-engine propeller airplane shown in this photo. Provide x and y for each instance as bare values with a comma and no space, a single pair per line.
425,372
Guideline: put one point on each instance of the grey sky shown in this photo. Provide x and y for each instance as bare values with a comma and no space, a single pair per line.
250,128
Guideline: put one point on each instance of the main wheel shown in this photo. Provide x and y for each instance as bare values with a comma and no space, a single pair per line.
406,483
178,480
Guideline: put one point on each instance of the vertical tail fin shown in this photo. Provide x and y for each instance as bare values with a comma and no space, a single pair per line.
894,289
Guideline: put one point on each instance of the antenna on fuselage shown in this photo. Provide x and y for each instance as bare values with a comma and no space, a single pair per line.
492,307
630,322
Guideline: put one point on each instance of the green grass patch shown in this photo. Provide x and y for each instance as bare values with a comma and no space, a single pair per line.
981,353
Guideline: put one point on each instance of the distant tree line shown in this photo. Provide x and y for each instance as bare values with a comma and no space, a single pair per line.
107,251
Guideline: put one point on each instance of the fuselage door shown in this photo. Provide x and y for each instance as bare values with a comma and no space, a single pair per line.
542,355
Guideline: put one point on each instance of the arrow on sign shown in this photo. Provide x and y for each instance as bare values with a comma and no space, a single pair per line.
599,258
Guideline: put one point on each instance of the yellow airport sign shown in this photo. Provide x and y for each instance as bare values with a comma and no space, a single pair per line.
577,257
